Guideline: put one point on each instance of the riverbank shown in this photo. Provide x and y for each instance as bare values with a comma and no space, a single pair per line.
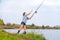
28,27
29,36
32,26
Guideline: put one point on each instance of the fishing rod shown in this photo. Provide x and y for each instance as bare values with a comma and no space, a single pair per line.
39,6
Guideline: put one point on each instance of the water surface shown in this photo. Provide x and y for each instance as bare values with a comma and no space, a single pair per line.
50,34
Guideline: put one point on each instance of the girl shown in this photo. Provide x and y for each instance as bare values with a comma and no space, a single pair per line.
24,20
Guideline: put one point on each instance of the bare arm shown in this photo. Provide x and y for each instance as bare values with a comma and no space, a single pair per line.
31,16
30,12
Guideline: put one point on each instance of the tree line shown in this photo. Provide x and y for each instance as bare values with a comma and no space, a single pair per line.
32,26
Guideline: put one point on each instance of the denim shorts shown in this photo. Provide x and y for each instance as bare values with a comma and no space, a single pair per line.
23,23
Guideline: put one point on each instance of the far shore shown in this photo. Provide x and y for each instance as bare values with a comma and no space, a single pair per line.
28,27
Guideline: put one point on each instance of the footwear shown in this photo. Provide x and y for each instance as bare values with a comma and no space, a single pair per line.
24,33
18,31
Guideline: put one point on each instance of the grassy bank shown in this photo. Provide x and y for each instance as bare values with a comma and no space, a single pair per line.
30,36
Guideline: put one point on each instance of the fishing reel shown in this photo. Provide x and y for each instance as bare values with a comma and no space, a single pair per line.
35,12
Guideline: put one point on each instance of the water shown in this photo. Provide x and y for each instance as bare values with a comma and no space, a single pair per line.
50,34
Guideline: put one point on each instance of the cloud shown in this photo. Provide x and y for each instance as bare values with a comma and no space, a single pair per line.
52,2
11,11
16,4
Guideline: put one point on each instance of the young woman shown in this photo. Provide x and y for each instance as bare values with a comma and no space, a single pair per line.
24,20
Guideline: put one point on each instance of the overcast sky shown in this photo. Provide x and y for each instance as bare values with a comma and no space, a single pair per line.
49,13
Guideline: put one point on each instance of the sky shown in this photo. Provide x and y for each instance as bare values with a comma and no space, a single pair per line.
48,14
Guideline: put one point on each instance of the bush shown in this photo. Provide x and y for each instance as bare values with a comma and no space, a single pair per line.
43,26
8,24
47,26
1,22
33,25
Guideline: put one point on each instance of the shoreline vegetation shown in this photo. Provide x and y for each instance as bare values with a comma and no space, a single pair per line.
32,26
28,27
29,36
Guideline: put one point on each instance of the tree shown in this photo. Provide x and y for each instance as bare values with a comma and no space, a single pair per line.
47,26
1,22
57,27
8,24
32,25
43,26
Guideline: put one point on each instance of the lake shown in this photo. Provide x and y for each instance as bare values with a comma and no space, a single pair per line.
50,34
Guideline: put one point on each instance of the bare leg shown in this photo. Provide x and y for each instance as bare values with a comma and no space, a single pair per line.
24,29
21,27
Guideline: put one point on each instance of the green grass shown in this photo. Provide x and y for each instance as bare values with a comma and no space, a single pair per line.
29,36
